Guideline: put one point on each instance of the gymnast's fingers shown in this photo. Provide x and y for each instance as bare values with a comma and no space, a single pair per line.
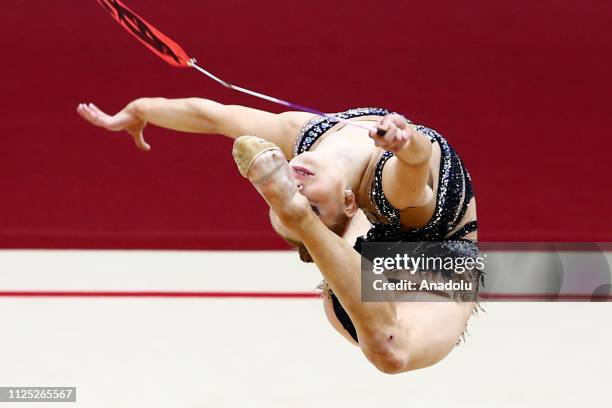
88,114
392,133
94,109
389,140
138,137
376,132
387,121
95,116
380,130
382,127
399,121
379,135
403,138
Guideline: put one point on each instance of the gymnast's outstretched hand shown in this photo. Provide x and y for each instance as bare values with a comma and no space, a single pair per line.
397,136
127,119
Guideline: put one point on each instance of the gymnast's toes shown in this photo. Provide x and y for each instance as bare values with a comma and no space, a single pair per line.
265,165
247,149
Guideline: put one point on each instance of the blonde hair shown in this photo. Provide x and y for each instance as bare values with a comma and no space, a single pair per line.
337,228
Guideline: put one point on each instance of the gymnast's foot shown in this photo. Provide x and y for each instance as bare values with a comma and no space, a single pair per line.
265,165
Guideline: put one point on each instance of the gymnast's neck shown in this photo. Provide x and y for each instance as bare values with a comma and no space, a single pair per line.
350,150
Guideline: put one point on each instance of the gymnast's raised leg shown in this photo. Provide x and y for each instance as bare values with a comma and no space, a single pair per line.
395,337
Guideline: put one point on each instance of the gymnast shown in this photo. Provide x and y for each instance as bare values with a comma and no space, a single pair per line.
331,188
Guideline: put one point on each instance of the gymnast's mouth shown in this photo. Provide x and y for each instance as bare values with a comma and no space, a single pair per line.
301,173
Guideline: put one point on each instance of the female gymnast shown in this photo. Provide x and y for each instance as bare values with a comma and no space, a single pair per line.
344,186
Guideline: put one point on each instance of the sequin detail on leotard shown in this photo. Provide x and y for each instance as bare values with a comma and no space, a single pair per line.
315,128
454,193
452,199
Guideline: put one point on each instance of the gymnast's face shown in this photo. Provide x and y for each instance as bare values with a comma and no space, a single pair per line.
321,184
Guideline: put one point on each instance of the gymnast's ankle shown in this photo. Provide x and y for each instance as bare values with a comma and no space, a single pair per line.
294,212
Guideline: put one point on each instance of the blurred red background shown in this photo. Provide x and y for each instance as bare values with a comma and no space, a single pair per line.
521,89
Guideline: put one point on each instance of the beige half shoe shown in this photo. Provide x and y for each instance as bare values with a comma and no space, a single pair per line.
248,148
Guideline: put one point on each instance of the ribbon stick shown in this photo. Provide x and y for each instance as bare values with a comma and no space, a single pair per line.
169,51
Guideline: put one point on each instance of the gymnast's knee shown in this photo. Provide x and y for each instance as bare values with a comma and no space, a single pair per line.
386,354
391,364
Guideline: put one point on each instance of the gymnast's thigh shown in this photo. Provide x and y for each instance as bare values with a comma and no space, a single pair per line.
328,308
434,325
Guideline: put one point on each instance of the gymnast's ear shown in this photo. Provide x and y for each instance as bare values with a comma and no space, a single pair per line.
350,203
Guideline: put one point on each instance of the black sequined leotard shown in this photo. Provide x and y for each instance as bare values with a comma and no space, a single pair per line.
453,195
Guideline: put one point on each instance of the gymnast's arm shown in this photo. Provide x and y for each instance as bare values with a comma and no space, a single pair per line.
198,115
405,175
